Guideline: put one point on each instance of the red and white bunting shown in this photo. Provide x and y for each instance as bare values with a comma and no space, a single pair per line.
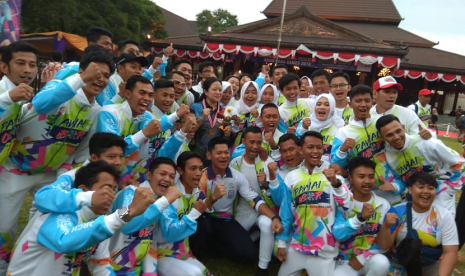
429,76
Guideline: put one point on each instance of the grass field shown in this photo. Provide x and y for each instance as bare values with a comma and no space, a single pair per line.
224,267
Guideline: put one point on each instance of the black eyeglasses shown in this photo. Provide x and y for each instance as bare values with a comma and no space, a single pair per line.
336,86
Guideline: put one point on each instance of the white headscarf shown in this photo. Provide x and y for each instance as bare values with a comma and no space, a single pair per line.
316,124
225,86
275,92
309,81
242,107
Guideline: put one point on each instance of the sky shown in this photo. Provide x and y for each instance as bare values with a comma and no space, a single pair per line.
437,21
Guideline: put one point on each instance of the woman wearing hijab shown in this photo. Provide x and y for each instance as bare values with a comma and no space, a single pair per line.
227,96
323,119
306,89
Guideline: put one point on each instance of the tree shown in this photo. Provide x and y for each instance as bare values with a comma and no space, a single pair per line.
124,18
219,20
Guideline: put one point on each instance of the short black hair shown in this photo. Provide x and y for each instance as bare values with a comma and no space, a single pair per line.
88,175
57,56
101,141
94,33
134,79
18,46
288,78
122,44
269,105
209,81
206,64
320,72
98,54
163,83
241,76
179,62
230,77
251,129
422,178
360,89
277,67
169,75
360,161
288,136
338,74
161,161
384,120
217,141
184,157
310,133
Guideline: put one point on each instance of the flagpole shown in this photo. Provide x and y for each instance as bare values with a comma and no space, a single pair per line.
280,32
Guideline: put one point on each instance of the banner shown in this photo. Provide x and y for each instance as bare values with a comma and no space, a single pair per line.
10,16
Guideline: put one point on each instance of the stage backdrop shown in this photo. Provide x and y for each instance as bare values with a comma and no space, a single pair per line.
10,17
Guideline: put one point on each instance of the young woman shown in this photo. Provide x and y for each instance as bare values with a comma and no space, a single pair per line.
323,119
227,96
234,81
208,121
431,223
243,78
306,89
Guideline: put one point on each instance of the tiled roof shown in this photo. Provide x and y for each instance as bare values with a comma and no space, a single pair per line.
184,42
355,10
433,59
177,26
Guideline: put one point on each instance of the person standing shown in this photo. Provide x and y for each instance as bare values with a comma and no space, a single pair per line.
422,107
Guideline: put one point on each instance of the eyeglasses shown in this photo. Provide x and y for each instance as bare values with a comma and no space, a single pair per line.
176,82
340,86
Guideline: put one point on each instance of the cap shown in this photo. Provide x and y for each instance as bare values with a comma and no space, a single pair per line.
424,92
386,82
130,57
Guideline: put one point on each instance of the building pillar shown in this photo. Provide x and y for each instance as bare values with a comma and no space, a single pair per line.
361,78
456,95
237,66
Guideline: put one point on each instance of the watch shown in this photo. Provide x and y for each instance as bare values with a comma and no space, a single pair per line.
123,214
360,218
276,217
339,184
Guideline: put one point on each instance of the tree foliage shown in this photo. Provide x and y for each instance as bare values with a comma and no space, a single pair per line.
124,18
219,20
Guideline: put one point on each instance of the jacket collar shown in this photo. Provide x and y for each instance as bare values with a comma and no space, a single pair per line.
6,84
352,122
82,100
128,111
211,174
323,165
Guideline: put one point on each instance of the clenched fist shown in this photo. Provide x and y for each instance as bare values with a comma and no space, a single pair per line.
22,92
152,128
390,219
331,176
103,197
172,194
143,197
348,144
367,210
200,206
182,110
219,192
273,170
91,73
157,61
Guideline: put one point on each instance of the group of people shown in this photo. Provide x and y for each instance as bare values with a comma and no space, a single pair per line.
136,171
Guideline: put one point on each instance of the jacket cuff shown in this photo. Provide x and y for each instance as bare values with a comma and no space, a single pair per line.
138,138
84,198
75,82
162,203
113,222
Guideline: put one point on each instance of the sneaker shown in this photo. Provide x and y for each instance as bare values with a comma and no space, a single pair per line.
262,272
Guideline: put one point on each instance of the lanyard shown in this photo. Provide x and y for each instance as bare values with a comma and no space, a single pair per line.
215,118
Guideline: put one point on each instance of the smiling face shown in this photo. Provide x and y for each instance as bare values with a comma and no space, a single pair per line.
130,68
424,99
394,134
164,98
312,150
186,69
268,95
423,196
22,68
113,156
361,105
270,119
104,180
362,180
214,92
192,173
227,95
291,91
322,109
252,143
161,178
140,98
250,95
105,42
235,85
278,73
386,98
290,153
219,156
179,86
243,81
96,86
320,85
339,88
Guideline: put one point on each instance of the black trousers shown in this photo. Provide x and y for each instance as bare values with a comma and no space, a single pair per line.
216,237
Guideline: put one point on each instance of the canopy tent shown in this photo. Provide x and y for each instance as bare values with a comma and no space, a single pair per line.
61,41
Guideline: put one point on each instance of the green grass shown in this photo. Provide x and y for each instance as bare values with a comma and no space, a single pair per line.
224,267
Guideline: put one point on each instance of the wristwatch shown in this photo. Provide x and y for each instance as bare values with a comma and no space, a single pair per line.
360,218
276,217
123,213
339,184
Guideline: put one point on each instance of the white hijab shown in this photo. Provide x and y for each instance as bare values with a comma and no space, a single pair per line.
275,92
316,124
225,86
309,81
242,107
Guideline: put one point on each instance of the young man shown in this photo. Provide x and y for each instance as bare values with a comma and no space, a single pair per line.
316,193
185,66
128,46
357,229
407,154
339,86
170,245
385,92
179,142
258,176
57,244
293,110
290,154
276,73
320,80
206,70
218,230
130,245
60,197
181,94
422,107
19,64
61,115
127,65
